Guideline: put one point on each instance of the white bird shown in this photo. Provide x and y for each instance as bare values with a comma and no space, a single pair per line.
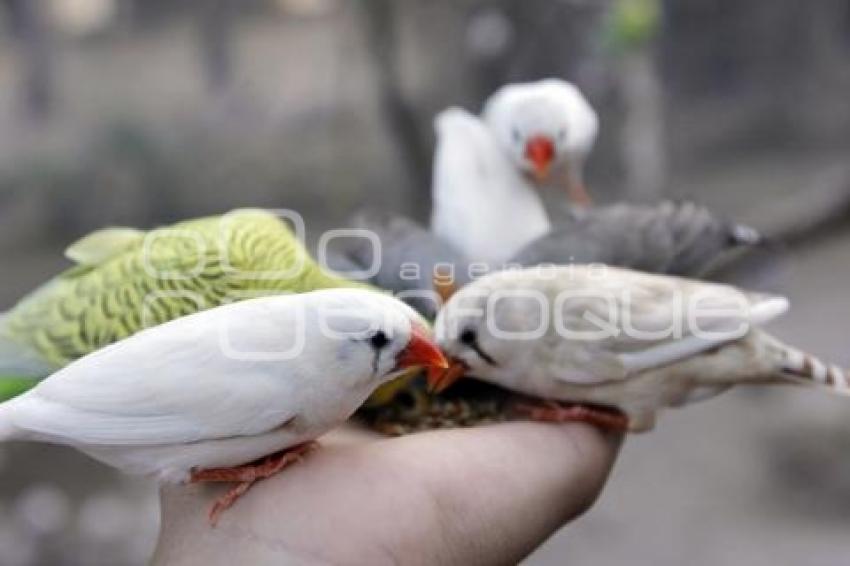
487,169
203,397
614,338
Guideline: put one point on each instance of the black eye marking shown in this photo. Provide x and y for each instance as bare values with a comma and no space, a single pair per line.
379,340
516,135
562,134
469,338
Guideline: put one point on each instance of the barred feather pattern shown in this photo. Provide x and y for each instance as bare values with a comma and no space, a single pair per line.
173,271
807,367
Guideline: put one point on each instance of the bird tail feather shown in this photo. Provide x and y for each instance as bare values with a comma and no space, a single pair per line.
20,366
805,369
743,235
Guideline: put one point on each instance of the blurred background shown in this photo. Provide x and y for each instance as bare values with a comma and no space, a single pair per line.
141,112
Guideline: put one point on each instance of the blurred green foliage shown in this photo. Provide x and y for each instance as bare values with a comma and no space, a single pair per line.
632,24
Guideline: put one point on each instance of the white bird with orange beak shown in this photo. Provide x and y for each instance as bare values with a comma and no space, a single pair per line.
488,169
547,128
618,345
231,394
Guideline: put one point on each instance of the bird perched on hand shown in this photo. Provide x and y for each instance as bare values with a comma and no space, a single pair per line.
487,169
206,396
416,265
125,280
607,338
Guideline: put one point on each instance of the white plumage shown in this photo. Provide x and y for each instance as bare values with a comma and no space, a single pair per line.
485,201
619,338
222,387
482,204
553,108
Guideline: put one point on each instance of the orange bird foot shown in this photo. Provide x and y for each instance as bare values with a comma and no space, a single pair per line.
552,412
247,475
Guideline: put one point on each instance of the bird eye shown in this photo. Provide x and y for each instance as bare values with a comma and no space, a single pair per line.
468,337
516,135
379,340
562,134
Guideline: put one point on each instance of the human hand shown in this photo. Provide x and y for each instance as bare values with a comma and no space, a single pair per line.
483,495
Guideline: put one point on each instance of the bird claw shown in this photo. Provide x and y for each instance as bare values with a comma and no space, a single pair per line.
248,475
552,412
227,500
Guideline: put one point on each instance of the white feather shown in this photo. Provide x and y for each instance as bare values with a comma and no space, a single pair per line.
482,204
756,310
188,393
544,106
170,384
649,321
666,341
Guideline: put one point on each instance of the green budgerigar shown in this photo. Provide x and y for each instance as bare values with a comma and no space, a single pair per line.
125,280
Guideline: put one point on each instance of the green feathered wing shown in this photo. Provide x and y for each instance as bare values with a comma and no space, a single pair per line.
125,280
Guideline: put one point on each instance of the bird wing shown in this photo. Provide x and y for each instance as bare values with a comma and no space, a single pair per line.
476,187
126,282
575,240
99,246
675,238
408,257
621,322
170,384
466,159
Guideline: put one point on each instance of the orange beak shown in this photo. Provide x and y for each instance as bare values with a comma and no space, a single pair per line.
540,151
440,379
421,351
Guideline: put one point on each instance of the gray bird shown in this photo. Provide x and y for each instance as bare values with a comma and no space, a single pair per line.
410,257
673,238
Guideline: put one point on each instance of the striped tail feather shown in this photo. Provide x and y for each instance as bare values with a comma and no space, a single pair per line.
806,369
743,235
